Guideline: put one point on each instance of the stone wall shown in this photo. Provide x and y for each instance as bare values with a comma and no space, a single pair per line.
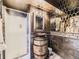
66,47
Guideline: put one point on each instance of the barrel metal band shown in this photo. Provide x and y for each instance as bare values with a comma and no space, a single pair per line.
40,45
40,55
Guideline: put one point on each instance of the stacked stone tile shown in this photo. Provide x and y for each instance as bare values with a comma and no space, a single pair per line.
66,47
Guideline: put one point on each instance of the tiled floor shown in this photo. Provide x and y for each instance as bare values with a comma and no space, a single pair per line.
54,55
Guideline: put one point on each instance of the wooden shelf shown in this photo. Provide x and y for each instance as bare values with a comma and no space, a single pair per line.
68,35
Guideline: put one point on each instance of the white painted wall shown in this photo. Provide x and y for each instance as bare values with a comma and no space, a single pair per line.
1,32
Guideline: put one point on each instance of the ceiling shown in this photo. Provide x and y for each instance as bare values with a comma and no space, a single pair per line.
68,6
24,4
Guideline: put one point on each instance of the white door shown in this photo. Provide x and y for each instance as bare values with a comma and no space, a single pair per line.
16,34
